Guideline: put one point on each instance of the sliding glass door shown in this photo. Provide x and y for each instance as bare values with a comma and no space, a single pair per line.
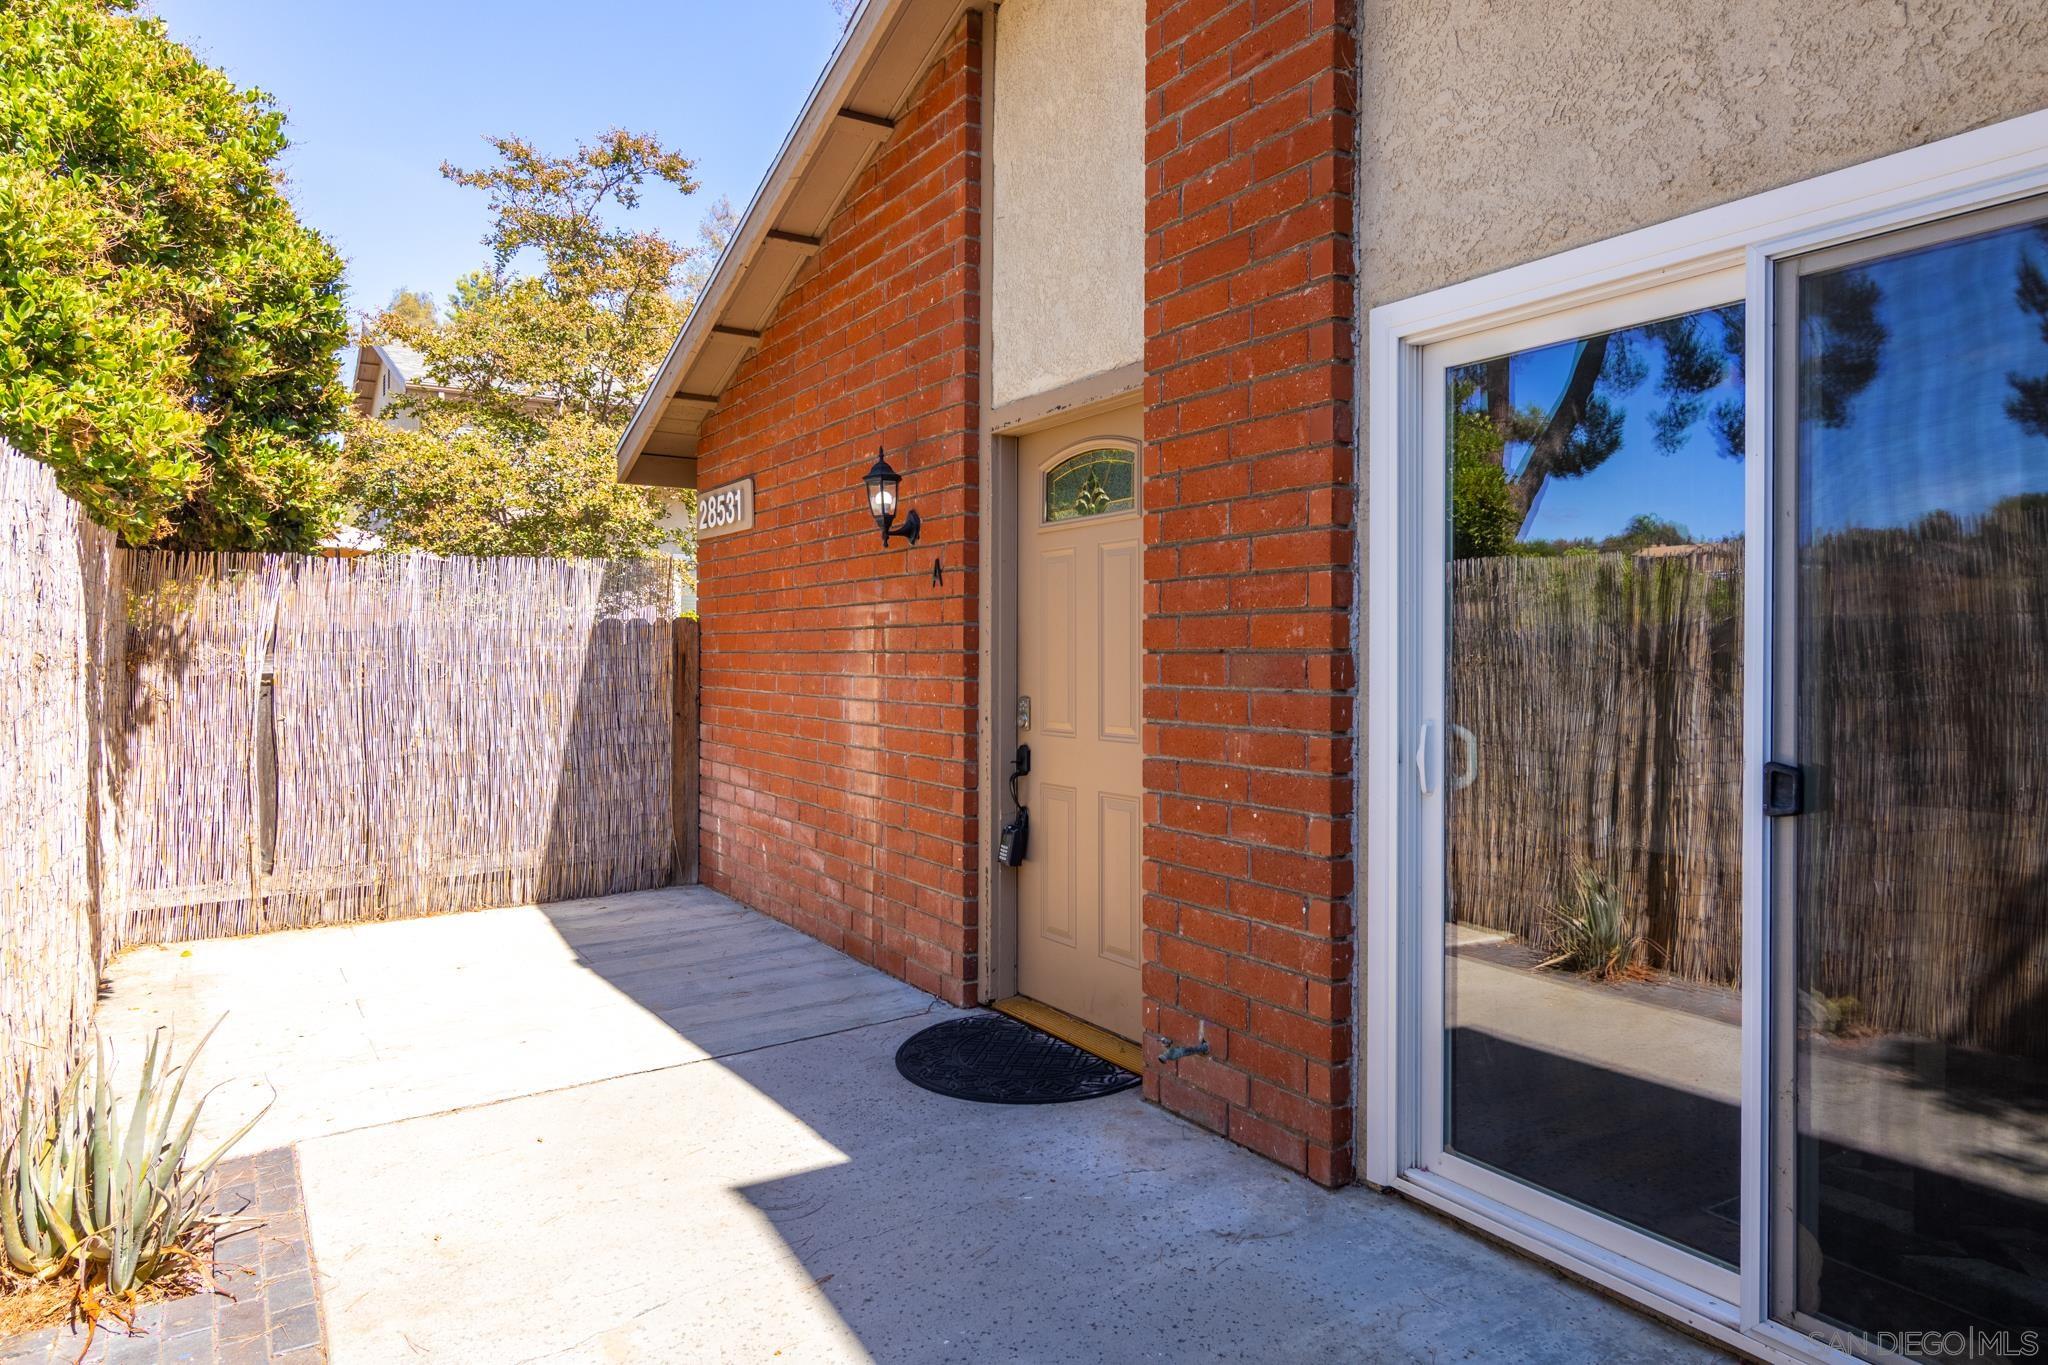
1588,1054
1705,770
1912,882
1668,693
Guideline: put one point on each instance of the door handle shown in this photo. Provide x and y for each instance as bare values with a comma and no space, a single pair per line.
1422,781
1468,745
1784,790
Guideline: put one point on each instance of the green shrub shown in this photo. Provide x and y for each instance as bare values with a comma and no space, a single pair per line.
1590,930
1485,518
168,327
102,1191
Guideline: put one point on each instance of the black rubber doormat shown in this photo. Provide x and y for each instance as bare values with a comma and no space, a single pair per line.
994,1059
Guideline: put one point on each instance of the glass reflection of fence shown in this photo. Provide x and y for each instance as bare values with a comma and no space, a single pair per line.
1604,696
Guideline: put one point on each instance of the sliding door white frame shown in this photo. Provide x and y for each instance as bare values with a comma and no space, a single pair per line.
1428,670
1402,560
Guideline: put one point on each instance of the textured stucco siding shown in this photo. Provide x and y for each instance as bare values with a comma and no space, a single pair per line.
1067,296
1500,131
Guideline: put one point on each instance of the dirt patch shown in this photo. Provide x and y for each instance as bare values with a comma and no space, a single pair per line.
27,1306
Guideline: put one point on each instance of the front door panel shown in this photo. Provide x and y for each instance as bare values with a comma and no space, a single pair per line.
1079,606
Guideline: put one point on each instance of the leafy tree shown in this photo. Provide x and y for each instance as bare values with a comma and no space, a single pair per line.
409,309
548,349
1845,344
167,325
713,234
1643,531
1485,516
463,485
1583,429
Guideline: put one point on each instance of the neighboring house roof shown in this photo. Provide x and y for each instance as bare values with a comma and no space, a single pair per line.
1681,551
853,108
384,369
408,362
349,541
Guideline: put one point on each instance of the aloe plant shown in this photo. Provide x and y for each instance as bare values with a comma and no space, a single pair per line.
1589,930
105,1191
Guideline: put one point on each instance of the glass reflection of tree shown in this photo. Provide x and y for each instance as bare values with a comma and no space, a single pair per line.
1484,516
2028,404
1492,504
1583,428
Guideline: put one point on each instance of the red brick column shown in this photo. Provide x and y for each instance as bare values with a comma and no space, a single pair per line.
1249,674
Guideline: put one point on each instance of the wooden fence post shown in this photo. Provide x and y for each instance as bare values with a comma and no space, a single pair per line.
684,787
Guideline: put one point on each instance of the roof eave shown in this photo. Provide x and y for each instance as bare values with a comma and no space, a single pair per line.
851,111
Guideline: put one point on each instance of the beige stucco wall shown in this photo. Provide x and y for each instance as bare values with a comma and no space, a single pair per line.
1067,286
1494,132
1499,131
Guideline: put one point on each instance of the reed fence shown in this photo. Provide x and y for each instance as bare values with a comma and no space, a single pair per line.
1602,697
316,741
208,745
1923,860
58,573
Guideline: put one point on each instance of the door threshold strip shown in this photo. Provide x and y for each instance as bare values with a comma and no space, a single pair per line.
1082,1034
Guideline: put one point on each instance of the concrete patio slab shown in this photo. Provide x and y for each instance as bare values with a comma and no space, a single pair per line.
357,1025
662,1128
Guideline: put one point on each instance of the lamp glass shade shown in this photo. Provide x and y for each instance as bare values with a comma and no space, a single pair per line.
882,498
881,484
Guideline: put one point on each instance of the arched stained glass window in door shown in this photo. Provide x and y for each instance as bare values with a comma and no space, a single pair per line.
1091,483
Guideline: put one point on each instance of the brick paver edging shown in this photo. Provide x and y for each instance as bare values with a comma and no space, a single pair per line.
267,1308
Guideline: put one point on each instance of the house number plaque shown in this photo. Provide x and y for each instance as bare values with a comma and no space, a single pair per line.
723,510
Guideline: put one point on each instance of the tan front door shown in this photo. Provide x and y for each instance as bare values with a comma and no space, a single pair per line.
1080,589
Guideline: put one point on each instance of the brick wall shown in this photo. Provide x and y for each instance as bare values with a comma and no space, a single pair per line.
1249,685
839,694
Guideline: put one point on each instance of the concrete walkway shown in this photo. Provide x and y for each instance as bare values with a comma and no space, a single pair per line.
662,1128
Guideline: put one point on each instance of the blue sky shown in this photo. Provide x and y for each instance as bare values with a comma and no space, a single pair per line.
1932,431
379,93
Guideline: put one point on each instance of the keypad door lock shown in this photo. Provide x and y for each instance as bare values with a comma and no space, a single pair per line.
1023,713
1016,835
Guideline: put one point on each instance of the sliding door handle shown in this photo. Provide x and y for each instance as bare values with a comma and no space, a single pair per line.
1784,790
1422,775
1468,749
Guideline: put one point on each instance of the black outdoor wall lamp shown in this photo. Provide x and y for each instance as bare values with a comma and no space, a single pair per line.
881,484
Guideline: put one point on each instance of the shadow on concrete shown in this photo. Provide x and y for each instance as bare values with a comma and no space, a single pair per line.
1898,1246
1097,1231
